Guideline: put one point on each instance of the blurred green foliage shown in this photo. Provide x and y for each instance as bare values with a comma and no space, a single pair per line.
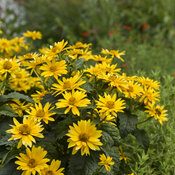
146,30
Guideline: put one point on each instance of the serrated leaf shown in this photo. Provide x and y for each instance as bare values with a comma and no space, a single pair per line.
127,123
76,164
7,110
107,139
10,155
9,169
113,152
16,95
49,98
4,139
113,131
91,163
63,126
79,63
59,111
142,137
87,86
83,165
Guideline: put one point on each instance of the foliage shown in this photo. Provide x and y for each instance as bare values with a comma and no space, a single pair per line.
72,94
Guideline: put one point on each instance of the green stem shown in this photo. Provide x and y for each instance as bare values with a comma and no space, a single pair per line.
4,83
98,170
144,120
40,79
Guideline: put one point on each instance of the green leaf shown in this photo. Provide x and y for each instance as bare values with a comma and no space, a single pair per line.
112,131
91,163
79,63
87,86
63,126
107,139
15,95
59,111
4,138
142,137
83,165
49,98
10,155
76,164
8,111
113,152
9,169
127,123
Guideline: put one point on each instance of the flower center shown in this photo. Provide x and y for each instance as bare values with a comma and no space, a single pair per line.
158,112
18,75
32,163
7,65
49,172
53,68
67,85
40,113
24,129
110,104
72,100
83,137
54,49
130,89
112,78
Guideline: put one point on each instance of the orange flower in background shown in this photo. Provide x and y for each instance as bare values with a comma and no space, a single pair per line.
111,32
84,34
144,26
128,39
127,27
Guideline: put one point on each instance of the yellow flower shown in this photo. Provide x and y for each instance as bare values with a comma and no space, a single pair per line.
106,161
33,34
109,104
37,60
41,113
102,69
19,107
59,46
39,95
53,169
33,161
101,59
8,66
20,85
79,53
54,69
71,83
25,131
5,45
105,118
122,155
133,90
72,101
84,135
80,45
157,112
24,59
149,83
19,75
149,95
117,81
113,53
53,51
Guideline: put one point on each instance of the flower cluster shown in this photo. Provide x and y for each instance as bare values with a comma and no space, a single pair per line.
86,90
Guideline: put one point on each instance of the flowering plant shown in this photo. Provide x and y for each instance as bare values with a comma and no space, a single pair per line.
71,106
